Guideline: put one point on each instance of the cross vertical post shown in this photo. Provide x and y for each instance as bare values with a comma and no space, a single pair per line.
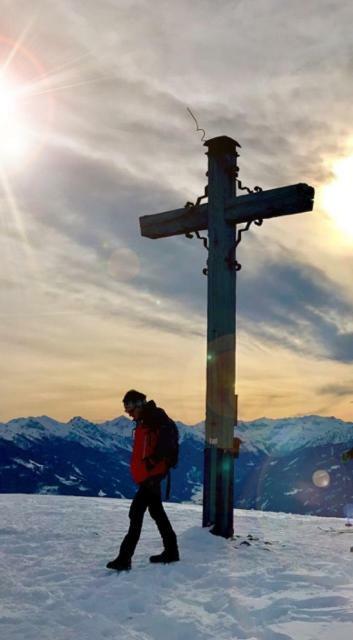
220,216
221,327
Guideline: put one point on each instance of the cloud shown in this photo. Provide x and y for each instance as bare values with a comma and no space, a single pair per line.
275,76
296,305
337,389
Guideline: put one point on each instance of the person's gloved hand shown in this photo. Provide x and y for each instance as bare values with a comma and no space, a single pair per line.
150,463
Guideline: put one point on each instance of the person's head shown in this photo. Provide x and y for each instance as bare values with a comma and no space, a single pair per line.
133,403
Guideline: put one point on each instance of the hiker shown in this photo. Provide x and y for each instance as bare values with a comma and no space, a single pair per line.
347,455
155,450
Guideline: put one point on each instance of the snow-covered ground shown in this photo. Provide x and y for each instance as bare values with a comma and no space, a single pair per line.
294,580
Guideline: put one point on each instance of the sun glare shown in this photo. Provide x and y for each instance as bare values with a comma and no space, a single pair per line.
24,122
337,196
7,98
14,135
25,115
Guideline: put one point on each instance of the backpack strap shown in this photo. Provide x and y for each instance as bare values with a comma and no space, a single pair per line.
167,491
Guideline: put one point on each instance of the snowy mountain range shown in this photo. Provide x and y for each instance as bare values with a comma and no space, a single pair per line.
290,464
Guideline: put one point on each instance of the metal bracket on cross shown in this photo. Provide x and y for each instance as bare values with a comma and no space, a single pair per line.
229,259
205,244
192,205
256,189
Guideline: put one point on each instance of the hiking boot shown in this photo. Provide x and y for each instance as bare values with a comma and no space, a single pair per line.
119,565
166,557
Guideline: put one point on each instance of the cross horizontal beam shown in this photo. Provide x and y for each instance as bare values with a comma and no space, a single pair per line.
272,203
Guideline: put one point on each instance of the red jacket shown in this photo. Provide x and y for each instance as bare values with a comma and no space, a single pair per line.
145,441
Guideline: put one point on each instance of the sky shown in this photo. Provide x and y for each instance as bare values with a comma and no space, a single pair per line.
95,133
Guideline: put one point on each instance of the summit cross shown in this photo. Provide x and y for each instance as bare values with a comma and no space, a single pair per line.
221,217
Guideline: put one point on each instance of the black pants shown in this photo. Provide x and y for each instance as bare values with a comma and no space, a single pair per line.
147,496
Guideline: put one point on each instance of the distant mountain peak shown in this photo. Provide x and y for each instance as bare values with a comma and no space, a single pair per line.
78,421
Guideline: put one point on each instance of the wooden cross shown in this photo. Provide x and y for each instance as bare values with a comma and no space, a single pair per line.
220,217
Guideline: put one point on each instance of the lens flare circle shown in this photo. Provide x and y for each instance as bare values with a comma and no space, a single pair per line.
123,264
321,478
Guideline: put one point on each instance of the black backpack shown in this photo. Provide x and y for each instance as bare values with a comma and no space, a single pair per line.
167,447
171,443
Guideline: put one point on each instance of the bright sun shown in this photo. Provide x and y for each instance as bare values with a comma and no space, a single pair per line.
15,137
337,196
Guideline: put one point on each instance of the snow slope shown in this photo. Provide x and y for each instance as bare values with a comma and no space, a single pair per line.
294,581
